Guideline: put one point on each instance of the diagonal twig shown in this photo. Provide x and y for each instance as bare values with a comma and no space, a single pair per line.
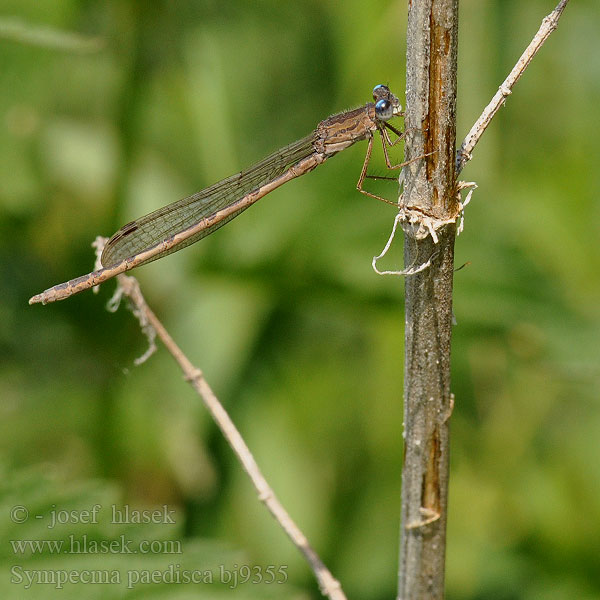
329,586
548,25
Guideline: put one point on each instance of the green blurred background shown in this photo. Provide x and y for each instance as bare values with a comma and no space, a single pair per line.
302,342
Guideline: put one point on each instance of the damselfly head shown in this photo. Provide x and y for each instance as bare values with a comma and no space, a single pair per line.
386,104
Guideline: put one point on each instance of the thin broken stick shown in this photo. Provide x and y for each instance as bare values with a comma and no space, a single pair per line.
549,24
329,586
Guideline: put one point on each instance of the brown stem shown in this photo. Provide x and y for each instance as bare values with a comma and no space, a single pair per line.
429,190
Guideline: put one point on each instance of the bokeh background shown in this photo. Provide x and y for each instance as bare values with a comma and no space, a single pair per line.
109,110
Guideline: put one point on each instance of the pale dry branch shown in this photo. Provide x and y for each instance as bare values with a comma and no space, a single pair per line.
549,24
329,586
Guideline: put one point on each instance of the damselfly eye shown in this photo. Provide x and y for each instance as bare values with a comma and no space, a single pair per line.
380,90
384,109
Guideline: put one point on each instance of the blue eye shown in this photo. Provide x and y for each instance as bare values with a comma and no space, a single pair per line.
380,90
384,109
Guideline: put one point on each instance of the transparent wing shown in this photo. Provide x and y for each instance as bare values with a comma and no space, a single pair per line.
152,229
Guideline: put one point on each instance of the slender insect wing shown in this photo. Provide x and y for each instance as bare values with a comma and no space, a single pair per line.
152,229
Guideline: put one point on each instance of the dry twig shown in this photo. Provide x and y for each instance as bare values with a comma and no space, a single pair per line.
549,24
329,586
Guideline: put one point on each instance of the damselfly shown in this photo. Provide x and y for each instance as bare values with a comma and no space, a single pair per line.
186,221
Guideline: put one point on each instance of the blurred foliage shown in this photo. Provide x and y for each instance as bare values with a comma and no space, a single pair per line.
109,110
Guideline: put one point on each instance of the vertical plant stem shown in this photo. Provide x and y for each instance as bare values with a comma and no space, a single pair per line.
429,189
